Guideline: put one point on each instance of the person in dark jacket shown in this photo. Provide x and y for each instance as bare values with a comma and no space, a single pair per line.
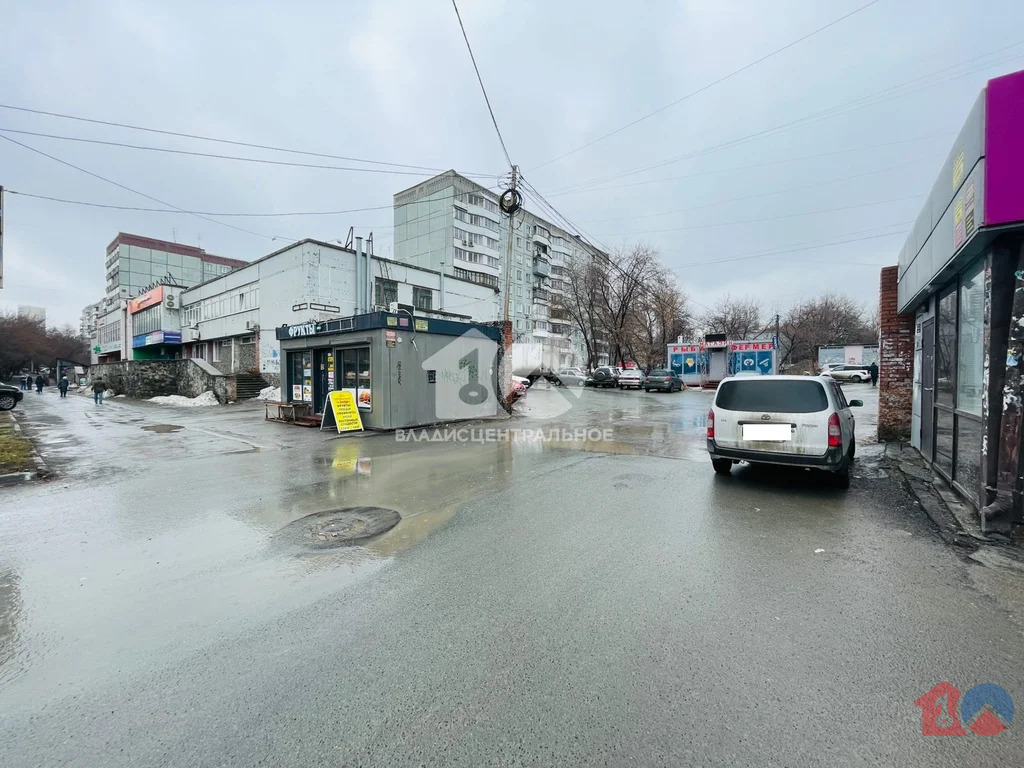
63,385
40,381
24,382
873,370
98,388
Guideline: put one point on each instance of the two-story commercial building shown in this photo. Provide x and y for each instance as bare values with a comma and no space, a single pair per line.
230,321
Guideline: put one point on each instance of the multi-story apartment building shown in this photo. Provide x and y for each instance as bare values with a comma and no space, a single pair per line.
452,224
89,321
133,265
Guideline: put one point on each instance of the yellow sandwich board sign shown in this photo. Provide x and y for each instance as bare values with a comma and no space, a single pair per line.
341,409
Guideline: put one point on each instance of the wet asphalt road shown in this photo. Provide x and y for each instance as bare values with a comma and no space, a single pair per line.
582,602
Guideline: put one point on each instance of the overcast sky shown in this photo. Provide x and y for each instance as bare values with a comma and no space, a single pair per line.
392,81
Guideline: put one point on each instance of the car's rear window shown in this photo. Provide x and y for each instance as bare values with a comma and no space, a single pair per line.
660,373
785,396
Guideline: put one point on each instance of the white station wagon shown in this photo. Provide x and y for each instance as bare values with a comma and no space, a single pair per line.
797,421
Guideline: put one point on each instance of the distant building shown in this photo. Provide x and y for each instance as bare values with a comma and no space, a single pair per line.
453,224
135,264
89,320
33,313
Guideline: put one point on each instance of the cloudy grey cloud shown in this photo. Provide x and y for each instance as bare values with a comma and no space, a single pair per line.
392,81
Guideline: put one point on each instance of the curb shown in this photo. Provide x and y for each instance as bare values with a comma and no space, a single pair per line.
42,471
918,480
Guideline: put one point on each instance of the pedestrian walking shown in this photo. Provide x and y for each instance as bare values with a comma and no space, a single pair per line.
24,381
873,370
40,381
98,388
63,385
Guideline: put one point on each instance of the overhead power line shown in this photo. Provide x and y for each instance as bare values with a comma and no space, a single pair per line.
200,213
769,218
871,99
218,156
481,81
137,192
232,142
712,84
765,164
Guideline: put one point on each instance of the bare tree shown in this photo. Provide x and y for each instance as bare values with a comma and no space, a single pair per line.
737,318
583,278
826,320
24,341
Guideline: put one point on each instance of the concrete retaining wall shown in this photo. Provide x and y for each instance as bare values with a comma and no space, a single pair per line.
150,378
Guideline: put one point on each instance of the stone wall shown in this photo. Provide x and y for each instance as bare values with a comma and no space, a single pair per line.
895,362
150,378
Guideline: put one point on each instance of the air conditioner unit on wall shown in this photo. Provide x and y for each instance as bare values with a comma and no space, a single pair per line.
380,308
169,301
393,306
251,325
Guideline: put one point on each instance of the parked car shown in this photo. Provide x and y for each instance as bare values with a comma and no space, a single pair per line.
569,377
9,397
854,373
797,421
518,389
605,376
631,378
663,379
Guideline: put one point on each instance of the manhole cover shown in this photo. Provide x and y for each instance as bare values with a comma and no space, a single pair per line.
341,527
162,429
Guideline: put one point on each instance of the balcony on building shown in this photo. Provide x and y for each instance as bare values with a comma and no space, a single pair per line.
540,296
542,236
473,202
541,265
560,248
491,281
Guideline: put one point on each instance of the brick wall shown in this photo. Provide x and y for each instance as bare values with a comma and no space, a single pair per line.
895,362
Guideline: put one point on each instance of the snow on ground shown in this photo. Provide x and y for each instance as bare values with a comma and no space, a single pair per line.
269,393
207,398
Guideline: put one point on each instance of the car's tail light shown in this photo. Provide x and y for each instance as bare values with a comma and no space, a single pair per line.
835,432
711,424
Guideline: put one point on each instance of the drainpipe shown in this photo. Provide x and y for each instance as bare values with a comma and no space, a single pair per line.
360,307
369,273
440,301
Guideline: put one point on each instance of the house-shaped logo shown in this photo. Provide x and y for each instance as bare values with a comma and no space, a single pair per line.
464,377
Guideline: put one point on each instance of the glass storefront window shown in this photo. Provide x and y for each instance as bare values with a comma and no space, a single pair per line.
354,368
301,376
945,350
968,455
971,352
944,440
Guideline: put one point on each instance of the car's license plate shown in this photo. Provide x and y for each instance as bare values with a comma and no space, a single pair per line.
770,432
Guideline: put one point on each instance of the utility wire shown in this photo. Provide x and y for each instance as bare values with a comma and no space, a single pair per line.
722,79
137,192
872,99
481,81
918,139
223,141
200,213
217,156
770,218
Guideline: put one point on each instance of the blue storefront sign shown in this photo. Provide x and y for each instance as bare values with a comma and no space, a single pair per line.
157,337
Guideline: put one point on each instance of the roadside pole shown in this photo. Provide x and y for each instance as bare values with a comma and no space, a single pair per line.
510,202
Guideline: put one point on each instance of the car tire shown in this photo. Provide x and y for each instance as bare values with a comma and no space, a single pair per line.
857,379
557,382
722,466
841,477
7,403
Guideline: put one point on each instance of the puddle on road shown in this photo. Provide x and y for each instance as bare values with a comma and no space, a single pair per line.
162,429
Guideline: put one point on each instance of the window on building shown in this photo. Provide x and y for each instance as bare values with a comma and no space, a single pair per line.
971,351
519,242
519,274
422,298
248,340
199,350
216,353
519,290
945,349
384,291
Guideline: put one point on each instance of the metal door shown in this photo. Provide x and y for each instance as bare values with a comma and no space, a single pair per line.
928,388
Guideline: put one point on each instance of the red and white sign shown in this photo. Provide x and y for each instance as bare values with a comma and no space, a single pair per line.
683,348
749,346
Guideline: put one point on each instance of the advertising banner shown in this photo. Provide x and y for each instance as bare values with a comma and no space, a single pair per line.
148,299
341,411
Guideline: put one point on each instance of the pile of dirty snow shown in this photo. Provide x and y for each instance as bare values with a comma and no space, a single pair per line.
179,401
270,393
